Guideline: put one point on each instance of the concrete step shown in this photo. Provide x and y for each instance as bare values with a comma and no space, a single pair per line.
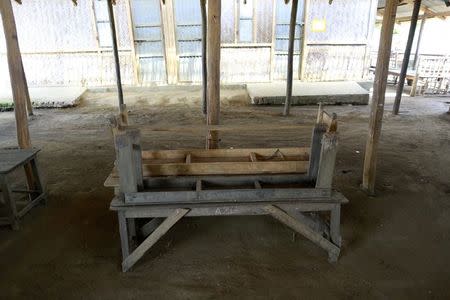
309,93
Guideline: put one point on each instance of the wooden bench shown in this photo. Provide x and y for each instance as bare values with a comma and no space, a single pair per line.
293,185
11,160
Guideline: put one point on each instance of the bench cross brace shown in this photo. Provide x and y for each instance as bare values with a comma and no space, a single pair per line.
130,259
305,230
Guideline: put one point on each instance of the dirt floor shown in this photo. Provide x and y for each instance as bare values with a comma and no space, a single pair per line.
395,245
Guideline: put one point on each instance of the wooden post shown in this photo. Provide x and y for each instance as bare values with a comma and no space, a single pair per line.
204,62
18,82
379,89
287,103
419,40
304,44
116,55
402,77
213,67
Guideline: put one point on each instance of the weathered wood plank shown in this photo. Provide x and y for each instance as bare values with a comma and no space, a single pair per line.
217,209
203,129
327,161
125,163
162,229
263,153
223,168
229,195
188,182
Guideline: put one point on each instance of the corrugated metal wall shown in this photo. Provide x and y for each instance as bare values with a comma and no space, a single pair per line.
59,44
67,45
341,51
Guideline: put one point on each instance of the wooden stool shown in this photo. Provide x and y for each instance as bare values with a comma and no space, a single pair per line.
10,160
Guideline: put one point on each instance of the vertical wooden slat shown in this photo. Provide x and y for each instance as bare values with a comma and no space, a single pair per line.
379,89
133,44
402,77
213,59
293,21
18,81
170,44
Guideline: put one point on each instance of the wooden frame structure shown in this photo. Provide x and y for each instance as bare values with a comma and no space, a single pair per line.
293,185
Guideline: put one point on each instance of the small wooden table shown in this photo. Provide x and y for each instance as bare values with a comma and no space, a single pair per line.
10,160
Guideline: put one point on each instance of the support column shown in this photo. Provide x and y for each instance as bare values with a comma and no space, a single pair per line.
213,67
402,77
379,90
18,81
116,56
204,62
287,103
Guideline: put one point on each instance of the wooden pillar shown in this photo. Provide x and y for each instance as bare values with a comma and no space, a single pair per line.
419,40
213,66
17,75
287,103
116,56
402,77
204,62
170,43
379,89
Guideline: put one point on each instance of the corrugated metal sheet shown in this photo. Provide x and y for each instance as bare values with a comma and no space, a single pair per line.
227,21
346,21
54,25
245,64
280,66
146,15
89,69
335,63
190,69
57,26
283,17
264,20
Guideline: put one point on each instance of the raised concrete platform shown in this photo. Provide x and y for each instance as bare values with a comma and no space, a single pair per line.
45,97
307,93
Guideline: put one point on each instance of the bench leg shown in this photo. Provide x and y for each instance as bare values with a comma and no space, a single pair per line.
9,201
123,230
38,179
132,238
335,225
